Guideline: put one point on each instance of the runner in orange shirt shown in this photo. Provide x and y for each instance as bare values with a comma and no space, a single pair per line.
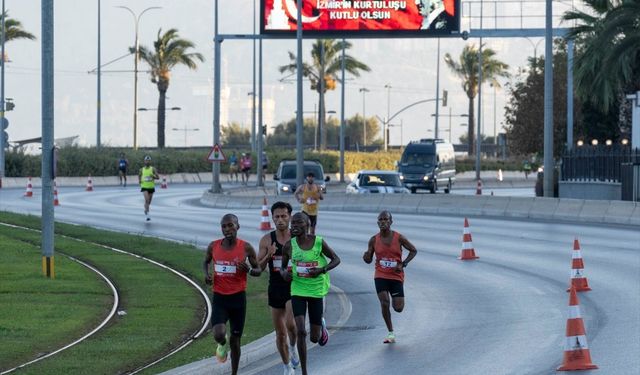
389,276
229,256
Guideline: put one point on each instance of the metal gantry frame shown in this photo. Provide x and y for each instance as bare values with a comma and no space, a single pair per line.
548,32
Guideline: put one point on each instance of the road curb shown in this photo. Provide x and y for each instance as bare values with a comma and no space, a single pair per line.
258,349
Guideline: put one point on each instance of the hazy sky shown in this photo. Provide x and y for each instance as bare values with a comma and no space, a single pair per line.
408,65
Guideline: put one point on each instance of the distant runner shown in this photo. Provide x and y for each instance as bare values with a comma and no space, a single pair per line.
230,269
389,276
309,195
123,165
310,281
147,177
270,254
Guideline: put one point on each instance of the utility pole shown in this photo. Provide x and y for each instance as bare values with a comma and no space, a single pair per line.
47,138
2,99
99,83
549,166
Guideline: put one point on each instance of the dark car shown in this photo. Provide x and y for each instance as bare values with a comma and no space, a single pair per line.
286,178
428,164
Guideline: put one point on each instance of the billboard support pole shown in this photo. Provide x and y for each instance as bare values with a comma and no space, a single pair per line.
299,129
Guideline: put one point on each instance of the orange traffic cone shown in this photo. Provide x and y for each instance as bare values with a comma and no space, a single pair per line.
578,280
265,223
29,191
576,349
479,188
89,184
468,253
164,185
56,202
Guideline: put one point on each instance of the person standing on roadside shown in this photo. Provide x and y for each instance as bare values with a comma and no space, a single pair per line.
146,178
123,165
279,291
233,167
245,167
265,163
309,194
389,276
229,256
309,281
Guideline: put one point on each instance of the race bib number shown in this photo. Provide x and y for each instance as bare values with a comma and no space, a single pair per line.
148,178
277,262
303,268
311,201
225,268
388,263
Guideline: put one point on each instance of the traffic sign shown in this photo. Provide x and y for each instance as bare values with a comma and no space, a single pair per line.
216,155
5,123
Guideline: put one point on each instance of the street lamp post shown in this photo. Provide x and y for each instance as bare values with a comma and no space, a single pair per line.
400,126
385,124
495,115
136,20
315,123
143,109
364,90
450,116
186,130
535,52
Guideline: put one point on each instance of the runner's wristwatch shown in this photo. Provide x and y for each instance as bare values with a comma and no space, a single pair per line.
404,264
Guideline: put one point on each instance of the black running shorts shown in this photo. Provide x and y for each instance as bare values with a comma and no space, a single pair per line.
394,287
150,190
299,305
279,295
232,308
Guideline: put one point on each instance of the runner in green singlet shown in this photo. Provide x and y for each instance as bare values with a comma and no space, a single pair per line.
309,281
147,177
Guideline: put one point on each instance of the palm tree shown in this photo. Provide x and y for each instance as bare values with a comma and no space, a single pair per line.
323,71
14,31
467,70
608,60
169,50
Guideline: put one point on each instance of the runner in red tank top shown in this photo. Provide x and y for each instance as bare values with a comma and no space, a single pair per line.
229,256
389,276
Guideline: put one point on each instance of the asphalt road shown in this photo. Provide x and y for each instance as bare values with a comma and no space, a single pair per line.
504,313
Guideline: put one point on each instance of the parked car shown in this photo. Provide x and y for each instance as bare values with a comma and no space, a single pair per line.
428,164
286,178
380,182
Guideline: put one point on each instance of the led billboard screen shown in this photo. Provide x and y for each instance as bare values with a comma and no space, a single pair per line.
362,17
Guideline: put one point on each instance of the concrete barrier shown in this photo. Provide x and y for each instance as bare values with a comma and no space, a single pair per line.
555,209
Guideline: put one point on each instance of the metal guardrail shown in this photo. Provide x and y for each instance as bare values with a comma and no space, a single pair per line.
630,182
602,163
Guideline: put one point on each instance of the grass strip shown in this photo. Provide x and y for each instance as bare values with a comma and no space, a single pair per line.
38,315
126,339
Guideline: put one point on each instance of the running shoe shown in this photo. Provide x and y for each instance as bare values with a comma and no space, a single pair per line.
324,338
293,356
222,352
390,339
288,370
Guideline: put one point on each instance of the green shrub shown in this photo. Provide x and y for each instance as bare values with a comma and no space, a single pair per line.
80,161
